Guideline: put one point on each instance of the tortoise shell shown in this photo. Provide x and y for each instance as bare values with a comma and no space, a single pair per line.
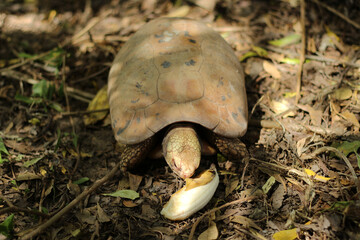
176,70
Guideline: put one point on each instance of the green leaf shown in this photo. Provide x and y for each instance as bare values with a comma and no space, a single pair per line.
26,55
56,106
2,147
260,51
347,147
247,55
6,227
28,100
32,162
44,210
290,39
269,183
129,194
81,180
40,89
293,61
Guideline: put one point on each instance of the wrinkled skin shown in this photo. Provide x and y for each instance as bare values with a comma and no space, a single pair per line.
182,150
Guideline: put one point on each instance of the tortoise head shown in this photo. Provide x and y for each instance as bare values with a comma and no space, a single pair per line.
182,150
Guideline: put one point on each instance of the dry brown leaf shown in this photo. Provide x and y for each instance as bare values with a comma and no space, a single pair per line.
300,146
211,233
129,203
280,107
271,69
134,181
21,147
179,12
148,5
278,197
349,116
315,115
231,185
86,217
246,222
101,215
24,176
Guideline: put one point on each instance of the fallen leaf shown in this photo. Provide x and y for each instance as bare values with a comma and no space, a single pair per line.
260,51
315,115
32,162
280,107
99,102
316,176
347,147
86,217
286,234
179,12
300,146
342,93
271,69
231,185
211,233
129,203
27,176
269,183
290,39
6,227
101,215
129,194
246,222
278,197
134,181
349,116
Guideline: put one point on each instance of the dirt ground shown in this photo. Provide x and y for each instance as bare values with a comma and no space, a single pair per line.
301,180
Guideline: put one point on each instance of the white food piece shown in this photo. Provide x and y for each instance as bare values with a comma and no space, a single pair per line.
184,203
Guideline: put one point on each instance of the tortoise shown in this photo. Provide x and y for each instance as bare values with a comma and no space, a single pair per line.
177,82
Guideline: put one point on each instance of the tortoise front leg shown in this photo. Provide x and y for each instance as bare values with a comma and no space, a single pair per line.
231,148
134,154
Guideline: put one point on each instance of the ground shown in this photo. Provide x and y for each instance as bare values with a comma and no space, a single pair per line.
302,174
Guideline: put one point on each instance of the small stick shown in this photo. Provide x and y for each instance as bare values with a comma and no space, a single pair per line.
73,203
319,57
25,210
302,53
66,114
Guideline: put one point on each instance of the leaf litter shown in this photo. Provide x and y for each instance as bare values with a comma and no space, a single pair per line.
55,145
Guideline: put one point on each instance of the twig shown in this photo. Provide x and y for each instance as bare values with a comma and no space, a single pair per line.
192,232
355,24
319,57
25,210
302,53
72,204
65,114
